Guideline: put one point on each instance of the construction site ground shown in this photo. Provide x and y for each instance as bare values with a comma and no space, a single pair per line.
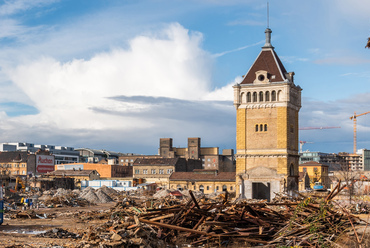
22,232
92,218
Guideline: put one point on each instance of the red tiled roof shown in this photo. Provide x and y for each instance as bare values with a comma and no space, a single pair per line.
156,161
9,157
191,176
270,62
70,173
313,163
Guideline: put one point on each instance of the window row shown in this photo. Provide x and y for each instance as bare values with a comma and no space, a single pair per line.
202,188
261,128
12,165
261,96
154,171
126,160
17,172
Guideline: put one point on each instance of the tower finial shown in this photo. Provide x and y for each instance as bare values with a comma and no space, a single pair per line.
268,16
268,31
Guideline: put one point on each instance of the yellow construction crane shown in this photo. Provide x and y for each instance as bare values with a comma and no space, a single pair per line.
354,118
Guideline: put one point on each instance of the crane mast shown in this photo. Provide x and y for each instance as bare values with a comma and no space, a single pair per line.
354,118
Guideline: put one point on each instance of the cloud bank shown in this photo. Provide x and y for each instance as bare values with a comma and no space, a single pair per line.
160,84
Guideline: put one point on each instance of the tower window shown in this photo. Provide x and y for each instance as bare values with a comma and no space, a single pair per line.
261,96
273,96
261,127
249,97
267,96
254,96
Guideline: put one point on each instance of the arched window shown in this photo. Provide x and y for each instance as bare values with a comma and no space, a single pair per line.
207,187
178,186
217,188
265,127
261,96
291,170
231,187
279,95
273,96
254,96
256,127
249,97
267,96
224,188
261,128
242,97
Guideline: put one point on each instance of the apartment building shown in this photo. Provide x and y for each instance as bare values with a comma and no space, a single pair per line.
62,154
158,170
23,163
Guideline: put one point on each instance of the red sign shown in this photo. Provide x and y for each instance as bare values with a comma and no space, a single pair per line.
44,163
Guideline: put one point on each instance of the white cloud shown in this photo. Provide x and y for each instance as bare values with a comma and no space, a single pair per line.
75,97
11,7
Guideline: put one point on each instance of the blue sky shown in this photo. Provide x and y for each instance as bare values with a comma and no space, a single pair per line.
119,75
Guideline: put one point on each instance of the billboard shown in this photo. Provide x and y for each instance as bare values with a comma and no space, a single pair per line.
44,163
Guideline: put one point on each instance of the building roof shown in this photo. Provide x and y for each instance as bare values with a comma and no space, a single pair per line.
268,61
11,157
193,176
71,173
313,163
156,161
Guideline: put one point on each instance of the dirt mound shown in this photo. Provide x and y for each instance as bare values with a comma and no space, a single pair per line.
103,197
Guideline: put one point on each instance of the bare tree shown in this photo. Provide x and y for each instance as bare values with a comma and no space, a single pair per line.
348,176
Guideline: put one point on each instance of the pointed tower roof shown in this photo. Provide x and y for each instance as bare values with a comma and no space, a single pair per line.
268,61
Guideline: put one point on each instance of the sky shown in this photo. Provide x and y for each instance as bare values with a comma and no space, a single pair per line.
121,74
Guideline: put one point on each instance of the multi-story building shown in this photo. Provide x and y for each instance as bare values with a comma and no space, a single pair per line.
23,163
128,159
88,155
62,154
210,156
267,103
333,160
207,181
158,170
105,170
357,162
317,172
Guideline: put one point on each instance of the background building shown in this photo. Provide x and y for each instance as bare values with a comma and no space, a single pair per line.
207,181
158,170
317,172
77,175
210,156
88,155
107,171
23,163
62,154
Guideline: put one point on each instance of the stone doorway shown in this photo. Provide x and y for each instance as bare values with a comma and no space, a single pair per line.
261,191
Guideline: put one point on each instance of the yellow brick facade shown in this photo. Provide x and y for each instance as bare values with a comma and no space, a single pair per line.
205,186
267,104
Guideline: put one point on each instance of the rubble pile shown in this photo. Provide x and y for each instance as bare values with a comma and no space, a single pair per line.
62,197
306,222
59,233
